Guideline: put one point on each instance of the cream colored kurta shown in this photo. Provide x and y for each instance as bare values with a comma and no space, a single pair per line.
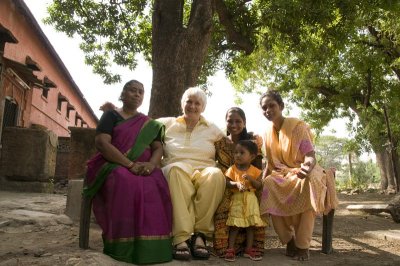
196,185
189,150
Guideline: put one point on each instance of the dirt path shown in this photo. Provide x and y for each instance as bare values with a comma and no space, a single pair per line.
34,231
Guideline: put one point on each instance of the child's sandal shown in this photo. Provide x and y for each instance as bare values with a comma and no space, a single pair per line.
252,254
230,254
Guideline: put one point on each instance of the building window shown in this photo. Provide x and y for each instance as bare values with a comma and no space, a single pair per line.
10,117
45,92
61,98
59,104
69,109
47,84
77,118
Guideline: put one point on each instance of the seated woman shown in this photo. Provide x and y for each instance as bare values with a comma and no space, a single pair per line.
196,184
236,130
131,199
295,186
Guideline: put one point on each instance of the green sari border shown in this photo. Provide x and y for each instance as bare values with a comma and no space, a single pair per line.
146,136
140,251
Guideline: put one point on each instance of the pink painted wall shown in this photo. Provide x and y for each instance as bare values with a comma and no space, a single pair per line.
43,111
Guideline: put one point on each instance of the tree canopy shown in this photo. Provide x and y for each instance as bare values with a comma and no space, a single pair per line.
346,64
334,58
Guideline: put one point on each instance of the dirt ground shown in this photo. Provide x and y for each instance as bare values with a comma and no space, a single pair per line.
34,231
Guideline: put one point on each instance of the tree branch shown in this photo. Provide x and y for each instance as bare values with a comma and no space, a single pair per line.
369,88
391,52
200,20
239,41
326,91
168,14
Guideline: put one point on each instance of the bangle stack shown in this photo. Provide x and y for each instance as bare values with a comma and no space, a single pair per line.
130,165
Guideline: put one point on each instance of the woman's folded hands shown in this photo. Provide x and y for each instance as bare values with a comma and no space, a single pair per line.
142,168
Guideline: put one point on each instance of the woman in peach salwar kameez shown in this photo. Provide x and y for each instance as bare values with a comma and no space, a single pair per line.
295,186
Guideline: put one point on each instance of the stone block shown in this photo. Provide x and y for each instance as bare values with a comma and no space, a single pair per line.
26,186
28,154
74,199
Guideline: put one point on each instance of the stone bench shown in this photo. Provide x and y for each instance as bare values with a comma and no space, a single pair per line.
86,210
376,209
369,208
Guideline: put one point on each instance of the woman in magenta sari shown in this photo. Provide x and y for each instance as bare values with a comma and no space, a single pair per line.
131,200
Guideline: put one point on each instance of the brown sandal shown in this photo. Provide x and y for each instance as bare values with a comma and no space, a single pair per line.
199,252
302,254
182,253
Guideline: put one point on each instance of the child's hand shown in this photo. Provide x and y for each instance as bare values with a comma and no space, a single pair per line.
246,177
240,186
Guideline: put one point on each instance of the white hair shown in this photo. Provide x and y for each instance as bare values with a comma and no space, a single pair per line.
196,92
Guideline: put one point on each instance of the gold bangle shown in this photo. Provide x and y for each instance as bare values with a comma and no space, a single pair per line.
130,165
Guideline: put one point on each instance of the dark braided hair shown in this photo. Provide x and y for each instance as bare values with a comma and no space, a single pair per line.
275,95
244,135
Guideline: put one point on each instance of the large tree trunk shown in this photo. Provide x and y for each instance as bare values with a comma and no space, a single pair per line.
396,164
384,162
383,157
178,52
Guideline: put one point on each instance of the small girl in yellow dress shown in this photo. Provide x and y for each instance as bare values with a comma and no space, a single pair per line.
244,211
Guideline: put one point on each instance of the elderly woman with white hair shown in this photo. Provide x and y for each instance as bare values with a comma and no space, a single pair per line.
196,184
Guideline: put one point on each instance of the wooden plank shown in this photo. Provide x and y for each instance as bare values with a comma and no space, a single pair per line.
327,228
84,225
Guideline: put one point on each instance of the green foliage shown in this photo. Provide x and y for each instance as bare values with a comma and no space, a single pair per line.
364,174
330,152
335,59
334,152
111,31
114,32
